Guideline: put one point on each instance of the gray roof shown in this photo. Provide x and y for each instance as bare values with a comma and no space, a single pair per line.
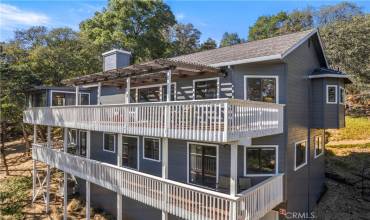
267,49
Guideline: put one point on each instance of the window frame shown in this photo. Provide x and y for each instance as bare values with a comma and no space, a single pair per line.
261,146
74,130
114,142
295,155
79,142
327,94
138,151
322,145
188,164
207,79
60,91
342,92
159,150
160,85
261,77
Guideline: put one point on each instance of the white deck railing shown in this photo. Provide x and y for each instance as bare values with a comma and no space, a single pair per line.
220,120
182,200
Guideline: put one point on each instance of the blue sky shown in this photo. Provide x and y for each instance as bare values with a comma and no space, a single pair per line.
212,18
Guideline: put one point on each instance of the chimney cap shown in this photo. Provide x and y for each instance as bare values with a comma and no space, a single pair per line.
116,51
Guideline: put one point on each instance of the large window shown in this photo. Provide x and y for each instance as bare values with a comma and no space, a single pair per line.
260,160
261,88
152,93
83,143
61,98
152,149
318,142
300,158
203,168
109,142
72,136
331,94
38,99
130,151
206,88
342,95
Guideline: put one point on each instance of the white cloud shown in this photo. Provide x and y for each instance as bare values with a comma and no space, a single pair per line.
13,17
179,16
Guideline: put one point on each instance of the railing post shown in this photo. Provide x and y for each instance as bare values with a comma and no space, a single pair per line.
119,163
99,94
65,188
48,172
34,164
226,120
128,88
233,176
88,154
77,95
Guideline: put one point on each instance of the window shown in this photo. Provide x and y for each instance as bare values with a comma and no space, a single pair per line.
164,92
152,149
342,95
261,88
260,160
318,145
109,142
39,99
203,164
149,94
300,158
62,98
83,143
206,88
331,94
72,136
152,93
130,151
84,99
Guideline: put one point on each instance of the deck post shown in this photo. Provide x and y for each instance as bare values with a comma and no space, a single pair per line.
65,187
34,163
48,172
119,163
77,95
234,176
88,154
128,88
99,94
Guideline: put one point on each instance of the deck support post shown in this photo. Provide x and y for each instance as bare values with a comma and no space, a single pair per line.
88,154
99,94
65,182
119,163
48,172
128,88
234,175
77,95
34,174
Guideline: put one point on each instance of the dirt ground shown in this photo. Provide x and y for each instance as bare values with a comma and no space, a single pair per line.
343,199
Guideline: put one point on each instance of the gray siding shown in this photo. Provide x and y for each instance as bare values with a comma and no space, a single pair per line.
112,95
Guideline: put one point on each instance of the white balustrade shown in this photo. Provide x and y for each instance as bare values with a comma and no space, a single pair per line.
219,120
179,199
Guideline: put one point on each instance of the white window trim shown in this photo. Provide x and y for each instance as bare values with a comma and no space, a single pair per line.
341,89
160,149
138,151
60,91
188,165
79,140
295,155
322,145
160,90
261,146
75,130
207,79
327,94
259,77
114,142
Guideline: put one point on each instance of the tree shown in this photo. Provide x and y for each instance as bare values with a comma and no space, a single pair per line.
229,39
185,39
342,11
139,26
208,44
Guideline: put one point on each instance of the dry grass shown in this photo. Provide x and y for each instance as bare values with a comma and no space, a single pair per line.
357,128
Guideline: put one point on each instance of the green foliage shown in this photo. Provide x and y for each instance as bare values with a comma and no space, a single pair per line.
14,196
208,44
340,12
141,27
186,39
229,39
366,145
356,129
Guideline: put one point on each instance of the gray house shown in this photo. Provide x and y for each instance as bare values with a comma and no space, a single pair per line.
231,133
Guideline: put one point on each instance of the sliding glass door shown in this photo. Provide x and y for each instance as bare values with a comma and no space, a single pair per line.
203,165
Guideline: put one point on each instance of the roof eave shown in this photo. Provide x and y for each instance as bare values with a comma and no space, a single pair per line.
249,60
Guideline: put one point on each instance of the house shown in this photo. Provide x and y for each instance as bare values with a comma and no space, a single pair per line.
231,133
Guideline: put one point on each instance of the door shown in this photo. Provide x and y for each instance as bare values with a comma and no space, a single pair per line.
203,165
130,152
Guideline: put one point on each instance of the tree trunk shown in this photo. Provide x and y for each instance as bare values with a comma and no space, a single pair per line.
26,140
42,132
2,147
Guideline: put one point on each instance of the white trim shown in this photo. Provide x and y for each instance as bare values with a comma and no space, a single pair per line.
327,94
73,129
116,50
138,150
159,150
340,95
261,77
261,146
322,48
114,142
79,141
187,161
327,76
295,154
61,91
321,144
207,79
249,60
299,43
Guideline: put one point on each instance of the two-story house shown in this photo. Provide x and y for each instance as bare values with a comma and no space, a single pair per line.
230,133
